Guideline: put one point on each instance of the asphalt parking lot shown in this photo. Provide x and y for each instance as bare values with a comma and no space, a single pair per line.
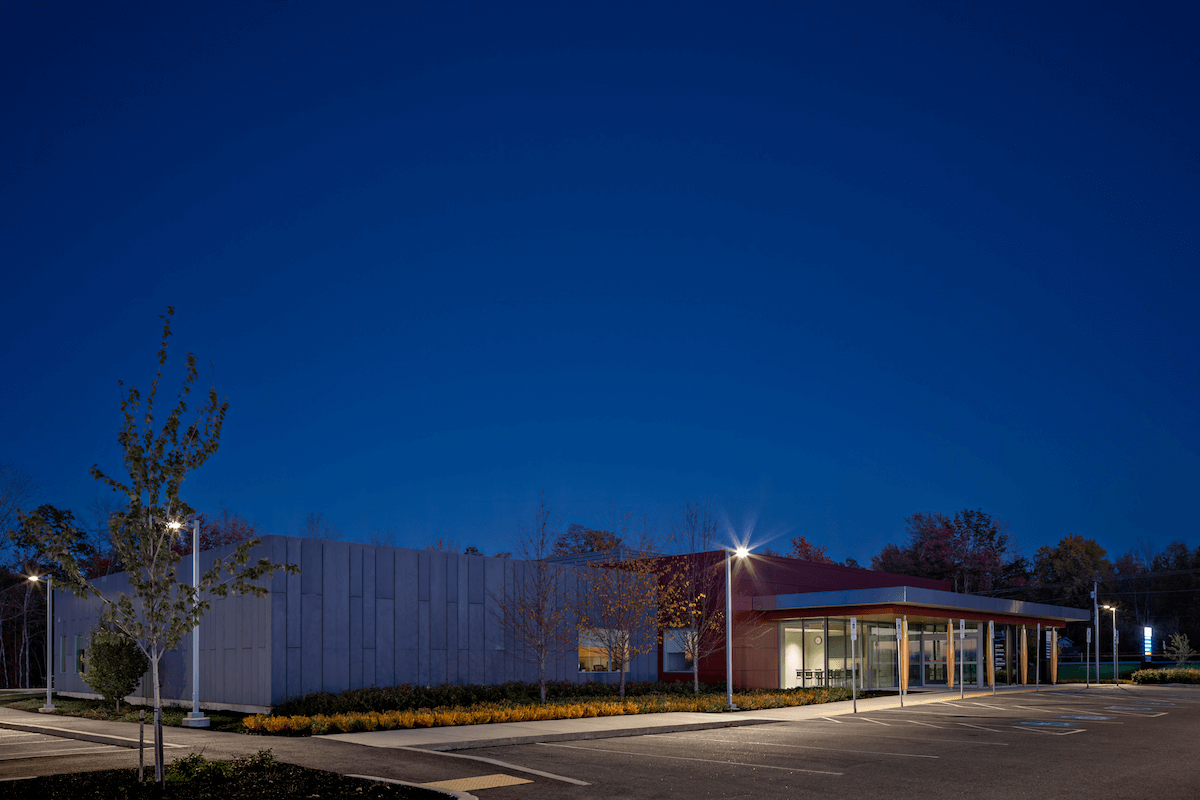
1131,742
1127,743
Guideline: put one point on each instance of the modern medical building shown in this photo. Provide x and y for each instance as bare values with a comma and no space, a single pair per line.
361,615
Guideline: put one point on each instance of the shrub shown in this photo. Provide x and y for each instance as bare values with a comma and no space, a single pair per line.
408,696
527,710
113,665
1175,675
1180,649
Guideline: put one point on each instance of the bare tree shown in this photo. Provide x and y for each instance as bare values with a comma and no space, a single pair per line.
317,526
17,494
693,609
440,545
537,612
617,608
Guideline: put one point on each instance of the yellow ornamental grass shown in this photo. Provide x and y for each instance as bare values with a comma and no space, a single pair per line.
486,713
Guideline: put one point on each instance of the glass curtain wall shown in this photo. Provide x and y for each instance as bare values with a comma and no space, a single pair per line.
879,650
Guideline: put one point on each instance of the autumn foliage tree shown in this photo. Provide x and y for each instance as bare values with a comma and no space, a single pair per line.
617,605
967,549
692,597
805,550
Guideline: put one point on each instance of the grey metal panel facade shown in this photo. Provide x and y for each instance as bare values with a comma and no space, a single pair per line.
357,615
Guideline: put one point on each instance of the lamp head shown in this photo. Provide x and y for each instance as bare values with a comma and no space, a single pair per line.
174,525
741,552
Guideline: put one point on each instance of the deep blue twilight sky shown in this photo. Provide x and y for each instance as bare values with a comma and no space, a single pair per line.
827,263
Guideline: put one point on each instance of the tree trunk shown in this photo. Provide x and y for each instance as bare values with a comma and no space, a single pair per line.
695,676
542,677
23,658
158,749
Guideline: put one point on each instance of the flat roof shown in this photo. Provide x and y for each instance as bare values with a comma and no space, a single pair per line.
915,596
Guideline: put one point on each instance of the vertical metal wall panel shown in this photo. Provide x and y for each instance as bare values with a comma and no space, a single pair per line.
423,574
464,666
368,666
385,573
463,595
293,595
311,558
310,647
368,604
476,671
277,654
335,605
406,600
295,682
385,652
276,549
437,599
437,667
451,650
356,640
423,642
406,666
493,587
476,569
356,570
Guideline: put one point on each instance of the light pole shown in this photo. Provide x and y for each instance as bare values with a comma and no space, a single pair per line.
1115,680
49,707
196,718
740,552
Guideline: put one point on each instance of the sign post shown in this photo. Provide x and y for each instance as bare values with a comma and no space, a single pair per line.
1087,670
854,662
992,650
899,660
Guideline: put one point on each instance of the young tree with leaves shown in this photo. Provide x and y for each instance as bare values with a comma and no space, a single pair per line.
536,612
617,605
693,585
161,609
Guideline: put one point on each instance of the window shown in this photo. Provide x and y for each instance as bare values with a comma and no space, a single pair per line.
675,646
62,655
80,645
594,647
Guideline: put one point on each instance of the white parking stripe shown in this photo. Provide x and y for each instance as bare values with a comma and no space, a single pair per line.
979,727
687,758
831,719
104,748
811,747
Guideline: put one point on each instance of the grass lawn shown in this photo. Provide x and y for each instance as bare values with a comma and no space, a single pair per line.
96,709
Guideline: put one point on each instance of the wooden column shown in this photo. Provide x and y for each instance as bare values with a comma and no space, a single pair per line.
990,644
949,653
1054,655
1024,657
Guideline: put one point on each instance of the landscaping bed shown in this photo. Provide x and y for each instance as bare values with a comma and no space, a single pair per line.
1169,675
523,710
258,777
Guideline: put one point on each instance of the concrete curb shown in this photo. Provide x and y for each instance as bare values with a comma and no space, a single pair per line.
83,736
615,733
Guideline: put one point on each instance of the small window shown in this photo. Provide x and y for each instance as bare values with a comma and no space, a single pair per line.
62,655
675,650
594,644
80,652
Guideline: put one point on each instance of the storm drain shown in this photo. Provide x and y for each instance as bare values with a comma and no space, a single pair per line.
474,784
